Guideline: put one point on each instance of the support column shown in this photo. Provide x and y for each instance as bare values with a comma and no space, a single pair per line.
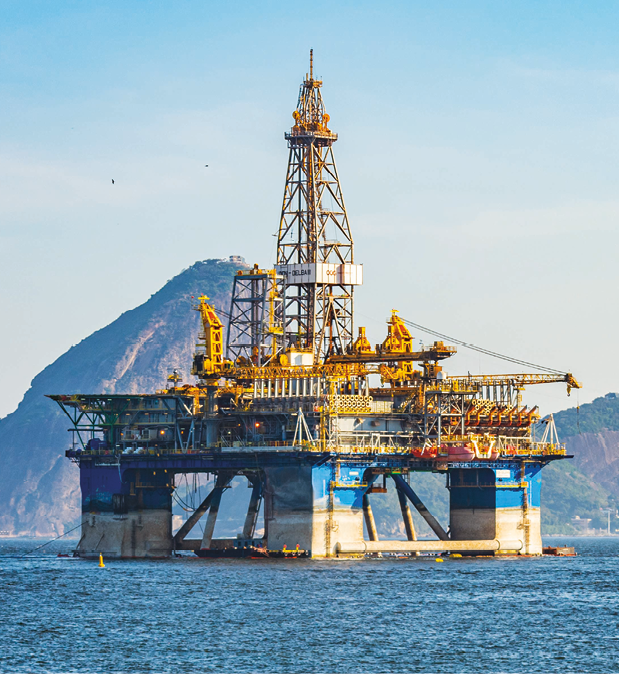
402,485
254,506
193,519
125,515
518,514
288,506
221,483
314,507
407,516
368,515
500,502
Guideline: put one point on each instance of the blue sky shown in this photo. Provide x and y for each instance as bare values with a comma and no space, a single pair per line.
477,153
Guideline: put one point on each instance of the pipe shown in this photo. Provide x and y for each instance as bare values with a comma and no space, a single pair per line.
362,547
401,483
220,484
252,511
411,535
368,515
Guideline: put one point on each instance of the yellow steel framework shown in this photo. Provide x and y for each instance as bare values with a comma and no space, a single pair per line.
315,246
290,335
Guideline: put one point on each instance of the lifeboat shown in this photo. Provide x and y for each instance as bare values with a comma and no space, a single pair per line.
427,452
462,452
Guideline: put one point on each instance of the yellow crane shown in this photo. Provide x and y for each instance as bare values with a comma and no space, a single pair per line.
208,362
394,357
517,381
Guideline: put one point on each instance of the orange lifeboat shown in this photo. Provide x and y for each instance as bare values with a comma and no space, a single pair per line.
428,452
462,452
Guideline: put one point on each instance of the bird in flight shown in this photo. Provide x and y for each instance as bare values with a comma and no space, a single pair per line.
205,165
112,181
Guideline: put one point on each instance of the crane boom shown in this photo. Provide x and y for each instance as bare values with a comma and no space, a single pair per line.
518,380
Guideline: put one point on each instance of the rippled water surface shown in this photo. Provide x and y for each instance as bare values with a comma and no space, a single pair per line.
389,615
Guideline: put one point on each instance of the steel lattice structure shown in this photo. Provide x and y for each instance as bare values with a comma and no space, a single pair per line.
315,246
254,328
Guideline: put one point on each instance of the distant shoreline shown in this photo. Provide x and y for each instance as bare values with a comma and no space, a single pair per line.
10,537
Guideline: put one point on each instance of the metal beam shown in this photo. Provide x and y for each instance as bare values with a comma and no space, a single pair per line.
401,483
409,525
180,535
254,507
369,518
223,479
362,547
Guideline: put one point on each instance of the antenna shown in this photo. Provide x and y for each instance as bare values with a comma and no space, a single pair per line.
311,64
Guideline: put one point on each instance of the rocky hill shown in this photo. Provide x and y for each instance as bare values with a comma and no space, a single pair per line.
39,489
590,480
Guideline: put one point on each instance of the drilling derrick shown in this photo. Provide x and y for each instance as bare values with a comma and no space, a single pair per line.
291,405
255,329
315,246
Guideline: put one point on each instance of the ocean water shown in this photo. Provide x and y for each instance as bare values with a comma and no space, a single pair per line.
384,615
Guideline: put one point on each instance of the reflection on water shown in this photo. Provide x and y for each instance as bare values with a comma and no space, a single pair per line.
389,615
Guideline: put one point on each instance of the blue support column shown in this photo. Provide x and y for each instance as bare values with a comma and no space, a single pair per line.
315,507
125,513
500,501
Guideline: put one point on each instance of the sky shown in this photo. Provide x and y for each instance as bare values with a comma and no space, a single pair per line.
477,152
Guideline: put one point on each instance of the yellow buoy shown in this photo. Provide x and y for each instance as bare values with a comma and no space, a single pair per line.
455,554
101,564
438,559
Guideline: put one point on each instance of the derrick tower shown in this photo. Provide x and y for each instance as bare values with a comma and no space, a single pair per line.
308,417
315,245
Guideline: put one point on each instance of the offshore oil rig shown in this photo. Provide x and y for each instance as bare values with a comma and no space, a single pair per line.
313,415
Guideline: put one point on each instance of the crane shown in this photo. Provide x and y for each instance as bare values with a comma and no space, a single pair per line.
517,381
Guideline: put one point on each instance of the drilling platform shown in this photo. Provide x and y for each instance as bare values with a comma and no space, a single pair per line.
310,413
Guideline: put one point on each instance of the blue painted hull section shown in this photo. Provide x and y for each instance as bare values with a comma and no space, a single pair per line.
111,489
98,485
490,488
347,490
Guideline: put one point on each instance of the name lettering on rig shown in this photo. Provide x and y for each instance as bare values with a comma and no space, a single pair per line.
322,272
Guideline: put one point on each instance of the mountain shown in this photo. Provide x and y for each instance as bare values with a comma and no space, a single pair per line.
589,481
599,416
591,432
39,487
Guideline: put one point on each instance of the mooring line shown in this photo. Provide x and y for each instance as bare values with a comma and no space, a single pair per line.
53,539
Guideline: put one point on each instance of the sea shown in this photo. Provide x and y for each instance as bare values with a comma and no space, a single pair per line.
62,614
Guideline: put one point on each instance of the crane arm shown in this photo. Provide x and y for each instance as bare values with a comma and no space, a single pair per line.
208,362
518,380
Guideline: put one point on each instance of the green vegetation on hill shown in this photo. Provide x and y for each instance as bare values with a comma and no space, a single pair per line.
600,415
568,492
572,487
